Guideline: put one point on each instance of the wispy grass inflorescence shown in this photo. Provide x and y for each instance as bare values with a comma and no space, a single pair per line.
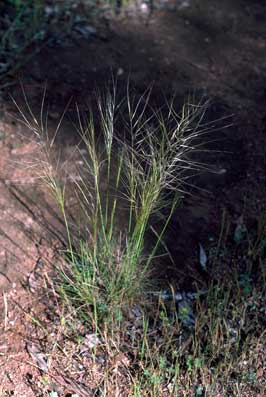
132,173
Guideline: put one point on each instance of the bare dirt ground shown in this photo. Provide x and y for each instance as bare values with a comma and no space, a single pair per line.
211,48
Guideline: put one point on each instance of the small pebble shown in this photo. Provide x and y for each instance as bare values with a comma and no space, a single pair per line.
120,71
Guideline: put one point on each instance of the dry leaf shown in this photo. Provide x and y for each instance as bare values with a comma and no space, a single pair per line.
37,356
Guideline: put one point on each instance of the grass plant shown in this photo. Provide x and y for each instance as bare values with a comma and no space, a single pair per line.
144,169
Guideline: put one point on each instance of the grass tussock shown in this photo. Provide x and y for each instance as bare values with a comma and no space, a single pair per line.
143,171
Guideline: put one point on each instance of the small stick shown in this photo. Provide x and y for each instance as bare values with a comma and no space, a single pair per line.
5,311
